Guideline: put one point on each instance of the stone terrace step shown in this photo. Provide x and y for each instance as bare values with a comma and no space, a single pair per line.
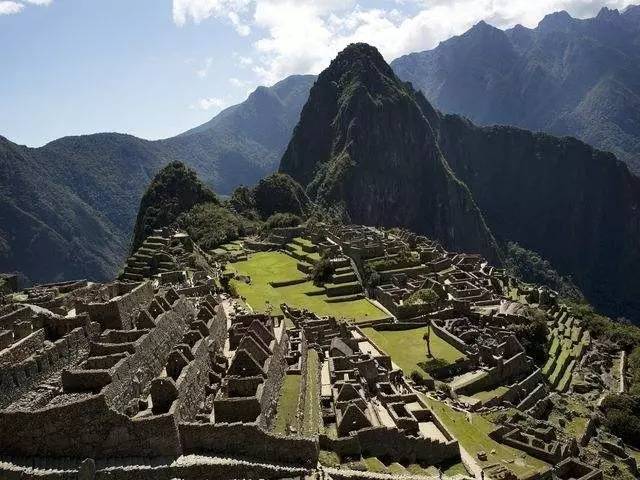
155,239
345,278
132,277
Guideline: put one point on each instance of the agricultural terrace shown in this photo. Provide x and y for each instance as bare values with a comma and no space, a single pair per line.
408,350
472,432
266,267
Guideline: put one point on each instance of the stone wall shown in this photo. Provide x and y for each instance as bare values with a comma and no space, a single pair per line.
150,356
22,349
21,314
122,311
247,440
86,427
192,467
20,377
515,366
273,382
192,382
450,338
524,391
382,441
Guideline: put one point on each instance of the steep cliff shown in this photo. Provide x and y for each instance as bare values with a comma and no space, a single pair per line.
365,147
576,206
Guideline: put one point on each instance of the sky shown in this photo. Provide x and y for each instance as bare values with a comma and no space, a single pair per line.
155,68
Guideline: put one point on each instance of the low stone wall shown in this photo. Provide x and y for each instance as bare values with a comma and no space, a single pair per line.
86,428
20,377
288,283
512,368
521,392
391,442
382,441
150,356
450,338
121,312
189,467
273,382
248,440
22,349
192,382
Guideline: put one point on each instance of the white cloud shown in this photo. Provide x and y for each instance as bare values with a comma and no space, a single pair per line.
9,8
211,103
206,68
199,10
302,36
236,82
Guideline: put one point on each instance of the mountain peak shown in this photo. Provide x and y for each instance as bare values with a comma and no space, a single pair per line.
556,21
360,133
358,58
608,14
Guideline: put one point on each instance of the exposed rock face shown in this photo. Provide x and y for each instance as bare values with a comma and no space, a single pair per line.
364,146
566,77
577,206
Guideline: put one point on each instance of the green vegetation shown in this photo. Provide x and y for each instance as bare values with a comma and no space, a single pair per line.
329,459
622,417
531,267
473,436
287,408
279,193
404,259
491,394
243,202
281,220
312,414
266,267
603,328
211,225
174,190
408,350
533,336
425,295
322,271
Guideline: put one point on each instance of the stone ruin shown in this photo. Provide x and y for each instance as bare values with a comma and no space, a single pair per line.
163,366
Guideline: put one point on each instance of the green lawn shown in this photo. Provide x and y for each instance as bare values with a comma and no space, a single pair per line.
407,348
312,397
474,437
288,404
298,249
265,267
490,394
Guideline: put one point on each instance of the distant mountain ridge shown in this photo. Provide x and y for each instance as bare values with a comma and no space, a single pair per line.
67,209
566,77
372,147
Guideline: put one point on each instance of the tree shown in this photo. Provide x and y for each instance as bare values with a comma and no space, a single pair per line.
427,338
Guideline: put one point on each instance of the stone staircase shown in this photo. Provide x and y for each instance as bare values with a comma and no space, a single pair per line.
156,255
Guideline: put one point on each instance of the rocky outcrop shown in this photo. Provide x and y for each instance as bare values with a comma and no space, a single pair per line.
364,147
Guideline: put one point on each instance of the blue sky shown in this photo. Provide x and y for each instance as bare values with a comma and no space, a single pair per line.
154,68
